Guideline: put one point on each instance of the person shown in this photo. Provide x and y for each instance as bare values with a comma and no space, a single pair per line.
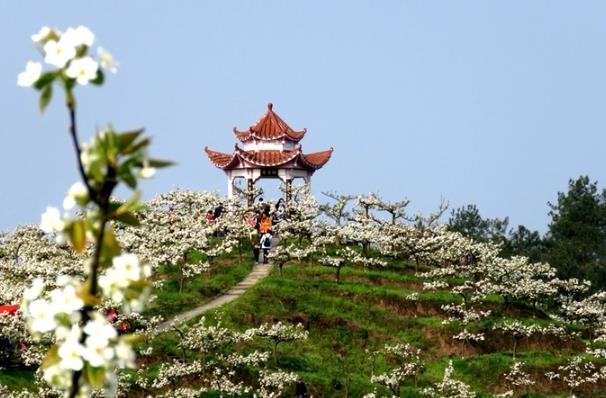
209,217
218,211
7,345
256,222
279,212
301,389
265,244
265,220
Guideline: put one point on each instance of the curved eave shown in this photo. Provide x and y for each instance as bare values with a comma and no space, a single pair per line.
220,159
243,136
316,160
247,135
267,158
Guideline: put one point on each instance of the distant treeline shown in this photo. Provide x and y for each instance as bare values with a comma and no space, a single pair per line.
575,242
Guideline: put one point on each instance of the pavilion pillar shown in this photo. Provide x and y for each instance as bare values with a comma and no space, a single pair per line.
308,181
250,193
230,187
288,192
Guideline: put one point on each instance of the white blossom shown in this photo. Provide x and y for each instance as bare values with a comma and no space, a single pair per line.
79,36
58,53
107,60
70,352
83,70
51,221
32,73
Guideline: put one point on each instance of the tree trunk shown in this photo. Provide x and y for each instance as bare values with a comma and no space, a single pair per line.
181,281
276,353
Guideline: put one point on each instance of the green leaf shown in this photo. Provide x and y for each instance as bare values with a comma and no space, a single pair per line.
128,205
128,219
77,235
128,137
95,376
45,97
133,339
110,247
129,179
44,80
139,145
158,163
99,79
140,284
81,51
51,358
84,294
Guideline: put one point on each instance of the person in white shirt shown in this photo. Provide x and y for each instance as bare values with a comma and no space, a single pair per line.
265,244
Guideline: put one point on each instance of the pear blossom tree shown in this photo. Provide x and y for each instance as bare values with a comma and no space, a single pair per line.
235,223
337,211
218,359
87,350
578,372
517,377
172,227
449,387
407,364
281,333
396,210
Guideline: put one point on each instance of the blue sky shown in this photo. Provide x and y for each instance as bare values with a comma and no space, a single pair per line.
493,103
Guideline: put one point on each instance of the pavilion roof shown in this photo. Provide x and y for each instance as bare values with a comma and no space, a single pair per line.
268,158
270,127
317,159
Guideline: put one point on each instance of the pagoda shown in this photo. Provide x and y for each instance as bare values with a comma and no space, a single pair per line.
269,149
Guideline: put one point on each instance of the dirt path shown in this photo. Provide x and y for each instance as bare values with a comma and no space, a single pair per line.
258,272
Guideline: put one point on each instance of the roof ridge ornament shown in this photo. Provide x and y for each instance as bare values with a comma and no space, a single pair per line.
270,106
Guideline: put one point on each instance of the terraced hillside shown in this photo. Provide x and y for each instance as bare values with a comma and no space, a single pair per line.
351,320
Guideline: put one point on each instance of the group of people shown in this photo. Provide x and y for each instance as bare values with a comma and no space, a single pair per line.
213,215
262,222
261,219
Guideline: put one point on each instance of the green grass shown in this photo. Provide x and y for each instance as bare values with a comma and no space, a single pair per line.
224,274
17,378
347,320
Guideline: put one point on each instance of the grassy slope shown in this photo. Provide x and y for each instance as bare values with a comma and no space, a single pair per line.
226,272
369,309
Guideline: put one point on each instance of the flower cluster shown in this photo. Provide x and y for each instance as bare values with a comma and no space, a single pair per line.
68,53
220,374
58,311
449,387
86,350
516,377
407,364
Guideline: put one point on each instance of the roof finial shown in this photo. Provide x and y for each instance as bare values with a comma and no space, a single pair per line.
270,106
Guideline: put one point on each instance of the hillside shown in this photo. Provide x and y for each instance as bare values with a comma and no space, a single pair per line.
371,308
362,308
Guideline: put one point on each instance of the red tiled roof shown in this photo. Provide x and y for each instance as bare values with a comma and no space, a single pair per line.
268,157
270,127
317,159
219,159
